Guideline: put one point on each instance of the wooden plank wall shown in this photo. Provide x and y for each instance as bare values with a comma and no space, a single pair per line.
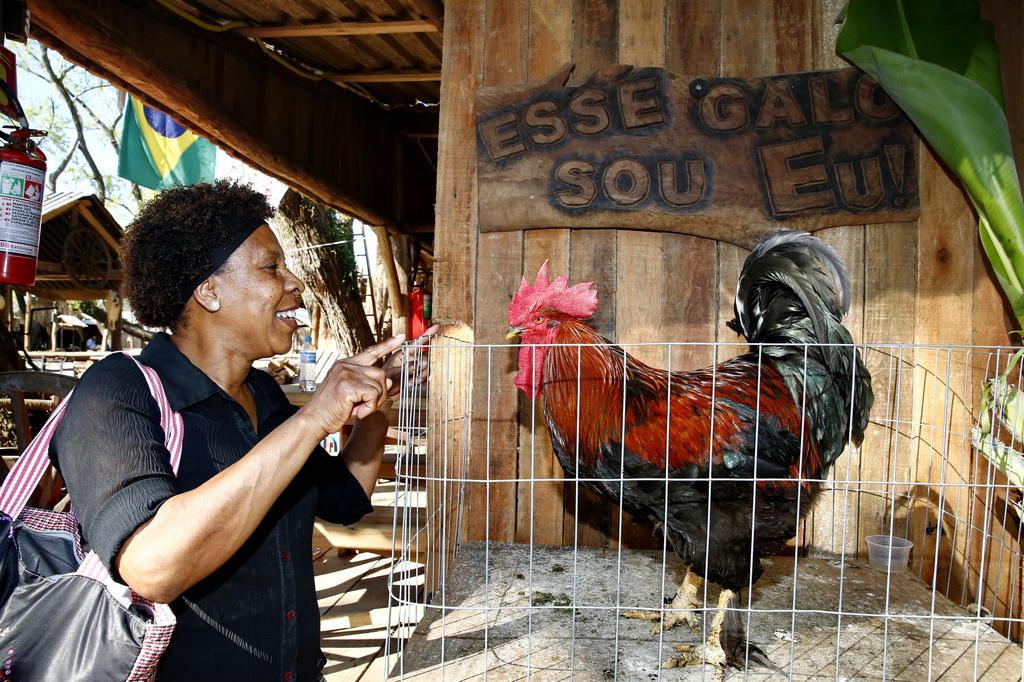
924,282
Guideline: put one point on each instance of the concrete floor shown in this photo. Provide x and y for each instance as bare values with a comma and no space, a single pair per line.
519,621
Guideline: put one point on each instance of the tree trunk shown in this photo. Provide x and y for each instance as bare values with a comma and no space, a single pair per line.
10,358
399,309
330,279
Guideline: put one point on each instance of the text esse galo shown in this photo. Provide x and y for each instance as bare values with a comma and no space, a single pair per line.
723,109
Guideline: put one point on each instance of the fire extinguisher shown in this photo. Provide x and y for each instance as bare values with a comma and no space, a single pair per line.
22,173
420,300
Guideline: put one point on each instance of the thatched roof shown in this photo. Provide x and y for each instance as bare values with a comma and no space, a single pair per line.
79,243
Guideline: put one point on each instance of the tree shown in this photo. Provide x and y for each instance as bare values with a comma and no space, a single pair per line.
82,114
329,272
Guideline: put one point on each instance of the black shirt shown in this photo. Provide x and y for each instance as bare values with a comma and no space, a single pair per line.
255,618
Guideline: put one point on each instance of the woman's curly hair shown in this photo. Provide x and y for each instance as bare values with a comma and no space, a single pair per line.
169,243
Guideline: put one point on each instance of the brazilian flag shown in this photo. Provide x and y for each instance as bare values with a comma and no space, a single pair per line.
158,152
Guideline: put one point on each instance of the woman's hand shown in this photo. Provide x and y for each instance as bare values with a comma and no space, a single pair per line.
352,387
412,360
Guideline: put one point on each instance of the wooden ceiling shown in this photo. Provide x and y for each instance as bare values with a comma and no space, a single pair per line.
387,50
336,98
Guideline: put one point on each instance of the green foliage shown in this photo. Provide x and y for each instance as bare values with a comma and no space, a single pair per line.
93,309
341,231
1002,410
938,61
96,107
338,229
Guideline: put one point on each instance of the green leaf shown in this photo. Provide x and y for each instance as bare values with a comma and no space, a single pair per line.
1004,458
938,61
1002,404
948,33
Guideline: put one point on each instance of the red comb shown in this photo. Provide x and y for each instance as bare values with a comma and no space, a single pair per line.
579,301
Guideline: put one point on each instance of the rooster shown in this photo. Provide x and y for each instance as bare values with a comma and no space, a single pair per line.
742,441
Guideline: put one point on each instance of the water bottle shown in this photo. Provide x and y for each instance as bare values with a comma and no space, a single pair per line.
307,366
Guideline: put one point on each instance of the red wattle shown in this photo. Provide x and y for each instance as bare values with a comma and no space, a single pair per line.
531,369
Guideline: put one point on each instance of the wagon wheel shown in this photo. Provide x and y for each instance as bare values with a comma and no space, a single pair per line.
87,259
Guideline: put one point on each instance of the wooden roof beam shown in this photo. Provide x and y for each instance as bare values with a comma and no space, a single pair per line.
100,229
48,267
343,28
385,77
52,293
431,10
115,276
61,210
223,87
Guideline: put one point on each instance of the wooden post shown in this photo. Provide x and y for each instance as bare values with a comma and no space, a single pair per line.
314,324
550,48
399,311
26,314
113,305
454,270
8,307
405,263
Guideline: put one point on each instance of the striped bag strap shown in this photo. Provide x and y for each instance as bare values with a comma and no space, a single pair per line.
31,465
171,423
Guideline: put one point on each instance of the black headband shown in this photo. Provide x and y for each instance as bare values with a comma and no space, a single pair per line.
233,237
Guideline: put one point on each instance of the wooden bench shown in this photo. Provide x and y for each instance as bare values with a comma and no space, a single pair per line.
373,533
15,387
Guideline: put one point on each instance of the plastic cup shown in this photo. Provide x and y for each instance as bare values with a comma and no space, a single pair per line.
888,553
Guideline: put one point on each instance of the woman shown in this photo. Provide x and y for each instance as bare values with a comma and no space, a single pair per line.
226,542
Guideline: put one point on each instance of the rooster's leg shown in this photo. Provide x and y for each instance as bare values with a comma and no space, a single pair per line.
682,609
711,651
727,641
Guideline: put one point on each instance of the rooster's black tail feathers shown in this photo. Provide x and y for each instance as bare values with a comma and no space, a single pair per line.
794,290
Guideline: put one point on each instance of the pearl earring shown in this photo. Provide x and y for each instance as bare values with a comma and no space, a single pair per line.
215,306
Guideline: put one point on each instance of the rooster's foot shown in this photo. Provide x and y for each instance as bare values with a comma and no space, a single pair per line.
727,644
685,605
712,653
709,653
672,618
675,617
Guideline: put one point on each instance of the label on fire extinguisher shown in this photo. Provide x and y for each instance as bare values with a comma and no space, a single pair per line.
21,202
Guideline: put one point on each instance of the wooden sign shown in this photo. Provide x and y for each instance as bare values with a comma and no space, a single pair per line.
726,158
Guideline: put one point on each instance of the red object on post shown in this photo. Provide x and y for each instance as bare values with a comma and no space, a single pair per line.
420,302
22,172
9,75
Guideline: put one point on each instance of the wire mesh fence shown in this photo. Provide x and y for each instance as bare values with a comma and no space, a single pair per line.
529,563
